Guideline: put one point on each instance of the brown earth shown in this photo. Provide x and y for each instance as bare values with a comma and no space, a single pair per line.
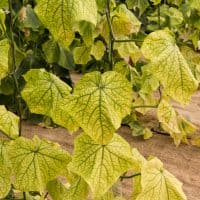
182,161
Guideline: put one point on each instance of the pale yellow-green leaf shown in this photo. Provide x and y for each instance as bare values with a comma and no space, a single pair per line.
82,54
36,162
101,165
139,161
124,23
2,22
100,101
60,16
46,94
98,50
78,190
9,123
4,50
128,50
5,168
196,141
193,59
107,196
169,66
168,119
194,4
158,183
156,2
147,133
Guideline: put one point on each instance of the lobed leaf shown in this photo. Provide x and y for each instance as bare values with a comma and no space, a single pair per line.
60,16
169,66
46,94
100,165
36,162
100,102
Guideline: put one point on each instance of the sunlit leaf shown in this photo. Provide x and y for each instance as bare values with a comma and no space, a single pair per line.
158,183
4,50
101,165
169,66
98,50
9,123
60,16
46,94
100,102
82,54
36,162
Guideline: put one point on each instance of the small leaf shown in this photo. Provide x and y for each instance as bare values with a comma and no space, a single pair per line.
61,16
100,102
46,94
9,123
36,162
169,66
101,165
98,50
82,54
158,183
78,190
142,5
156,2
4,50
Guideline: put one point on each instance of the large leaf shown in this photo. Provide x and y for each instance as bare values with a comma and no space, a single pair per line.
46,94
168,65
78,190
60,16
36,162
101,165
158,183
9,123
100,102
5,168
4,50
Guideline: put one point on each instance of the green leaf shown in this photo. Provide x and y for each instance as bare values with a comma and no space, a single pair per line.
175,2
2,23
82,54
107,196
9,123
98,50
102,5
169,66
142,5
60,16
100,102
101,165
194,4
158,183
78,189
55,53
5,168
36,162
4,50
46,94
3,3
156,2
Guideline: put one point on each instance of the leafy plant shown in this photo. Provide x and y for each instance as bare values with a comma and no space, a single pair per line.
128,52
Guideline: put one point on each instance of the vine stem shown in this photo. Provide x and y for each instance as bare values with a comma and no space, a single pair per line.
159,26
145,106
131,176
13,54
111,35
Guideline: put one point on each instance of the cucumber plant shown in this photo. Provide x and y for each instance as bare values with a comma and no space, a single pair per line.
127,51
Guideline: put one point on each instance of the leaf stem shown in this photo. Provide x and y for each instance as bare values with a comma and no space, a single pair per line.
13,52
131,176
111,35
145,106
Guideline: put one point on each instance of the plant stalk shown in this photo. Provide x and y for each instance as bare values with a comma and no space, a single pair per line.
14,67
131,176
